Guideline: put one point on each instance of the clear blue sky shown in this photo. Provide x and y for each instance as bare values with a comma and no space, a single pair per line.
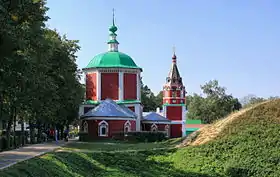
236,42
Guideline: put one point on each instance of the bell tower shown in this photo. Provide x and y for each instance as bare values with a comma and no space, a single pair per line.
174,107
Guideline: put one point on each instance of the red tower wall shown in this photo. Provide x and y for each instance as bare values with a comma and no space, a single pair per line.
110,86
91,86
174,112
115,126
176,130
130,86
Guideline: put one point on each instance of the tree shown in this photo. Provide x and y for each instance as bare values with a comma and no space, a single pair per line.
213,105
158,100
149,100
39,79
251,100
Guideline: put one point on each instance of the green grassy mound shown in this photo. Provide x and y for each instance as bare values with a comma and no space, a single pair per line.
247,145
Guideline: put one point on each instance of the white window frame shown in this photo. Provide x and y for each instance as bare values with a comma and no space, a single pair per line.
103,124
85,127
154,128
166,128
127,124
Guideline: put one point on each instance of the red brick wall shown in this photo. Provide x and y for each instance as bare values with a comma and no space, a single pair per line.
168,93
91,86
174,112
114,127
176,130
110,86
130,86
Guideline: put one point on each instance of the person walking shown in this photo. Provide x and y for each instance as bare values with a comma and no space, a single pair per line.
56,134
66,132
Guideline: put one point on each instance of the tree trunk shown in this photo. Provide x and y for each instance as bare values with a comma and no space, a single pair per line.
22,133
15,122
61,133
8,129
39,136
31,129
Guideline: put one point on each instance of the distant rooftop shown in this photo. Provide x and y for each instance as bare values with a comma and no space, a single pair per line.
155,117
109,108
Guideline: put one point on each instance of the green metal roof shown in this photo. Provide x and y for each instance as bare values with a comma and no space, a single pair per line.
112,60
190,121
167,104
113,41
191,129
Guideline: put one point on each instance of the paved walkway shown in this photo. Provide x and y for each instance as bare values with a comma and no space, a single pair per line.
9,158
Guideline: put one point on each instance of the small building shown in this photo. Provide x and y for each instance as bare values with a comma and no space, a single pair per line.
108,119
193,125
156,122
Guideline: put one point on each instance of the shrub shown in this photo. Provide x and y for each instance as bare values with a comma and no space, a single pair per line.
84,136
74,133
145,136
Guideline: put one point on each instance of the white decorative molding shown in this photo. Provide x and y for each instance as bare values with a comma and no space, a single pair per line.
81,110
98,88
121,86
167,129
183,121
138,91
154,128
138,113
176,122
127,126
152,122
101,125
109,118
103,122
112,70
85,127
164,111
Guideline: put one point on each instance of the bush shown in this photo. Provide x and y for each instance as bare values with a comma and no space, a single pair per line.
74,133
146,136
84,136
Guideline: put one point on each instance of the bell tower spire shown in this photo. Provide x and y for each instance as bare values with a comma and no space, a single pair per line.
174,57
113,43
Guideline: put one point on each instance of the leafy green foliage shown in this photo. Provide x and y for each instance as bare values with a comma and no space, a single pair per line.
39,79
145,136
149,100
215,105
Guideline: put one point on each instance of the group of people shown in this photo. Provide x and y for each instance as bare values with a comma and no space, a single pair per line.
52,134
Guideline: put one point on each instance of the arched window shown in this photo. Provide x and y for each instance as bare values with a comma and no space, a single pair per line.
103,128
127,126
166,128
154,128
174,94
85,127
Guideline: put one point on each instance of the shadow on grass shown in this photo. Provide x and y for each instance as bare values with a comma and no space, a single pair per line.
64,164
141,163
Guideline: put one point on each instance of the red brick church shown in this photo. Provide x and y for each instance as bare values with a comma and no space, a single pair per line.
113,97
